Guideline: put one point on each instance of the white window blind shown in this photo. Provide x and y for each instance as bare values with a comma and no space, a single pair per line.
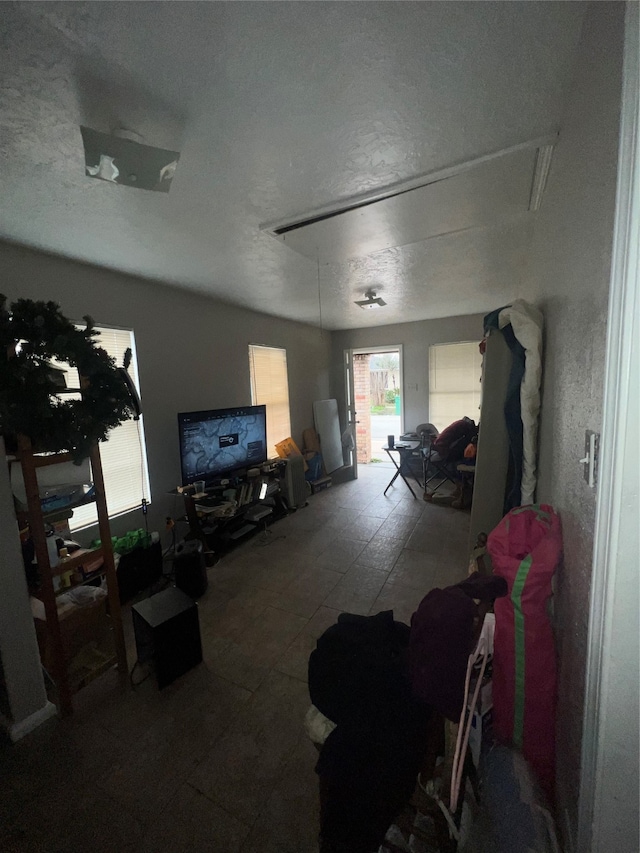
270,386
123,455
454,383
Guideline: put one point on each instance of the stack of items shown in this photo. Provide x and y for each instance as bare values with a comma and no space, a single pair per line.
85,631
386,691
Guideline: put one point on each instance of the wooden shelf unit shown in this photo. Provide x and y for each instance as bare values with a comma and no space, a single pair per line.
30,463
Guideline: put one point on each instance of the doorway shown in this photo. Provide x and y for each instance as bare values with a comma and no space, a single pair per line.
374,401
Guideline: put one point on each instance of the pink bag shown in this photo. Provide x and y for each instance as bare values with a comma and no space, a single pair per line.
525,549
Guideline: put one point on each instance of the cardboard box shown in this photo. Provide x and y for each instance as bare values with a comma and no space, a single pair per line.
321,484
80,626
287,447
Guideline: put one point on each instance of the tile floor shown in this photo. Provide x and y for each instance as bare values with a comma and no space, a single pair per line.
219,760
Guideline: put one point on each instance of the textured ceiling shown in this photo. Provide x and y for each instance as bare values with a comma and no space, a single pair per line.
278,110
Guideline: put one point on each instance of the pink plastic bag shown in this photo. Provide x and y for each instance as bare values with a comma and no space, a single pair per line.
525,549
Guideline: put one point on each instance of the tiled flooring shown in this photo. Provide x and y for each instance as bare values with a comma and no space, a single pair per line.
219,760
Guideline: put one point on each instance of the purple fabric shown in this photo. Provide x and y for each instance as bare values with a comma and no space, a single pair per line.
483,587
442,638
439,647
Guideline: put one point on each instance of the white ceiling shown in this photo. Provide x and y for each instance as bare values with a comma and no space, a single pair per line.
482,195
279,110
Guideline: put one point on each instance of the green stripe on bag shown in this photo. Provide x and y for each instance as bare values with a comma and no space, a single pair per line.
518,700
541,514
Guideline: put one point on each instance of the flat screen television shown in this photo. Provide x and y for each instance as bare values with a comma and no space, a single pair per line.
217,442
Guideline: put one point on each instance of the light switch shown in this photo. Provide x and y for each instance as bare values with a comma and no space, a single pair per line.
591,454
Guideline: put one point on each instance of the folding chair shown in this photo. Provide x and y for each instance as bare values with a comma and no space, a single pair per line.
442,464
439,467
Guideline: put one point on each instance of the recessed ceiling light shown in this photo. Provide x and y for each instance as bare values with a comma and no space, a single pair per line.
370,300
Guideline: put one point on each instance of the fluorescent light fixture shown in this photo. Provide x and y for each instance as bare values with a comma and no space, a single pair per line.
370,300
540,175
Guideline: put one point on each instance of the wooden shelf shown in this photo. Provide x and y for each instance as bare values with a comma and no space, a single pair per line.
100,663
47,513
42,460
72,562
97,575
65,681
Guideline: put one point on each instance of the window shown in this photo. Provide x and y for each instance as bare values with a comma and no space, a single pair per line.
123,455
454,383
270,386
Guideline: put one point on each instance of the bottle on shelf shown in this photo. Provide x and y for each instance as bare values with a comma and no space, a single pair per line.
65,577
52,548
54,556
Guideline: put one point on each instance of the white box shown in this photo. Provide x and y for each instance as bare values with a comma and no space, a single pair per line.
485,697
481,730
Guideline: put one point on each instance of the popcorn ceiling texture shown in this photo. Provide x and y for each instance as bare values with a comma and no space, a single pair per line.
277,109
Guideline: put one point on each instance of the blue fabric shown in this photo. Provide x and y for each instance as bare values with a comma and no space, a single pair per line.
510,798
491,320
512,410
315,468
513,419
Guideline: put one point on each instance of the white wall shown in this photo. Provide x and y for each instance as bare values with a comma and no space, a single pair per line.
192,352
568,277
416,338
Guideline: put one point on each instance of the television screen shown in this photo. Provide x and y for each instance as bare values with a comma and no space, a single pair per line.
219,441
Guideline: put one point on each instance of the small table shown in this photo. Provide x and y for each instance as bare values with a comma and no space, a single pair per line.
406,451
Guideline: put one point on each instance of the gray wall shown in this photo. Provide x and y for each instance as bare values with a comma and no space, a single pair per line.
568,277
23,693
192,352
416,338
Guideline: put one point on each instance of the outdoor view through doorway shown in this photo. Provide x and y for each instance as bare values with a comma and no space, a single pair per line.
454,376
377,377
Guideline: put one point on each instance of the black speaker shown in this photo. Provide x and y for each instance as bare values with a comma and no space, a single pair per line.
190,568
139,569
167,631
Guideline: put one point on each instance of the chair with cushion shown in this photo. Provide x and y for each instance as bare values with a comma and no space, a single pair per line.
443,452
426,431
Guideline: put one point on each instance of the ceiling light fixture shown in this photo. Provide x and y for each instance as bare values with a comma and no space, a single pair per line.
122,158
370,300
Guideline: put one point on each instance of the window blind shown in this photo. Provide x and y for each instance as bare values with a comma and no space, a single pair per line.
123,455
454,382
270,386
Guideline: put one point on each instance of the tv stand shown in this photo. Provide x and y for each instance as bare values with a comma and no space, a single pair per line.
219,529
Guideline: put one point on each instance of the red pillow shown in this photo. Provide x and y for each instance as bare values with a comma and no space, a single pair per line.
462,429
